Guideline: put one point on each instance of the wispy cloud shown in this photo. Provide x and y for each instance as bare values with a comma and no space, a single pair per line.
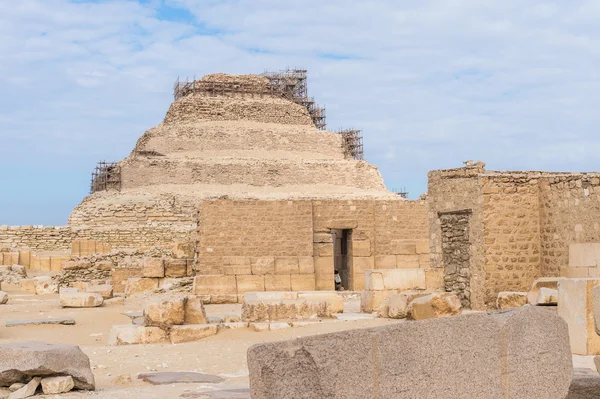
431,83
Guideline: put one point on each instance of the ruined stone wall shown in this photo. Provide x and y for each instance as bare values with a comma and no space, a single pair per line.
194,108
511,232
239,237
453,192
140,172
570,213
37,238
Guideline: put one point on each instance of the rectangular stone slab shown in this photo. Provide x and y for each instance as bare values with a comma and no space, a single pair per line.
516,354
16,323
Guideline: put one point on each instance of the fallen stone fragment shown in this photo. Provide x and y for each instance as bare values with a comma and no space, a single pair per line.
194,311
233,326
44,285
547,297
116,301
137,285
513,354
16,323
181,377
164,313
398,303
3,298
20,361
508,300
544,282
56,385
106,290
131,335
16,386
433,306
80,300
28,390
278,326
192,332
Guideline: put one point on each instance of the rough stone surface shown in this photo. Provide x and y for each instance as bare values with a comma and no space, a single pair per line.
3,298
153,267
182,377
137,285
514,354
398,304
457,255
132,334
585,385
284,309
106,290
56,385
194,311
508,300
28,390
434,305
21,361
164,312
80,300
192,332
544,282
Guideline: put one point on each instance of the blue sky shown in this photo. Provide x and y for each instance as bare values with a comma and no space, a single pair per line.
431,83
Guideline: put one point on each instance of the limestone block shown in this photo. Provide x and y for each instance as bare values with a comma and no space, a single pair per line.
385,261
284,309
519,354
361,248
175,267
322,238
335,301
287,265
219,299
507,300
3,298
34,262
192,332
137,285
106,290
434,279
56,262
183,249
408,261
371,300
250,283
25,258
27,390
422,247
80,286
57,385
214,284
584,255
190,267
269,296
324,250
194,311
548,282
279,282
360,264
398,303
262,265
236,265
306,265
324,273
80,300
424,261
44,285
374,280
400,247
302,282
76,248
575,306
103,265
130,334
433,306
153,267
395,279
28,286
164,313
547,296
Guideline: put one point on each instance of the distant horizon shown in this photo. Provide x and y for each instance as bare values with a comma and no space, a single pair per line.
430,84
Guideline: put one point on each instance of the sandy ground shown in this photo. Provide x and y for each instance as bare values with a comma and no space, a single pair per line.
223,355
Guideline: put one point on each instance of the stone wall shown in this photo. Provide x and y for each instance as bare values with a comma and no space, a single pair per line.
521,226
254,238
456,255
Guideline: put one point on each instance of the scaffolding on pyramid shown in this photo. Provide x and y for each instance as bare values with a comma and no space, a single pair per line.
352,142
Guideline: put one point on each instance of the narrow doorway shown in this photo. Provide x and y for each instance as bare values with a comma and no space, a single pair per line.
342,252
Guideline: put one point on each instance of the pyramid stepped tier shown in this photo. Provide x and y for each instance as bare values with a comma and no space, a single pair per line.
240,138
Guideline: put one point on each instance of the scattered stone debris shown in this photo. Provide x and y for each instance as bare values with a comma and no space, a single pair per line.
508,300
3,298
182,377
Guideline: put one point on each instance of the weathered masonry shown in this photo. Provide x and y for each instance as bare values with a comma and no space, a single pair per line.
499,231
297,245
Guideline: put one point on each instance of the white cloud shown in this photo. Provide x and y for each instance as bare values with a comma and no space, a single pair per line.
431,83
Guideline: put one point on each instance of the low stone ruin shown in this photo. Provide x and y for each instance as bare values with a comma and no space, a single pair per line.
29,367
521,353
277,306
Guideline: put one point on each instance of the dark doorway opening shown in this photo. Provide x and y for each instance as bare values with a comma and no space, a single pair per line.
342,252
